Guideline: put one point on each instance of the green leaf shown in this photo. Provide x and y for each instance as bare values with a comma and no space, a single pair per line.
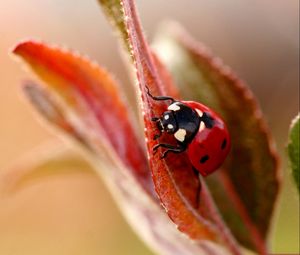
246,189
114,12
293,149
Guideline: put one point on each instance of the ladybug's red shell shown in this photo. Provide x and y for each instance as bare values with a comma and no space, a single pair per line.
210,146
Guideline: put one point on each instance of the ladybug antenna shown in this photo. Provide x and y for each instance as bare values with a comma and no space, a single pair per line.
159,98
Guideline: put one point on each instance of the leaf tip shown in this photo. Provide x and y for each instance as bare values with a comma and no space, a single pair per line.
23,46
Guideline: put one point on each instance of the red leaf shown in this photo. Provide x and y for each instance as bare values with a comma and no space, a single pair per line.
94,96
51,110
115,14
246,190
174,179
144,213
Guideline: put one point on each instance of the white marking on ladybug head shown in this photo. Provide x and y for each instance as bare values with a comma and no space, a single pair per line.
166,117
202,126
170,126
174,107
200,113
180,134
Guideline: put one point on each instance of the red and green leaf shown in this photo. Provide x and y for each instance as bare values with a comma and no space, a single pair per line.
115,14
246,189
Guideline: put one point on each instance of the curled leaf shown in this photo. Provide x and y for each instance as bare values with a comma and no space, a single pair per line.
294,151
246,189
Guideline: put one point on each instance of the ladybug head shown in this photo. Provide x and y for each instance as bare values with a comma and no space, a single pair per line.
167,123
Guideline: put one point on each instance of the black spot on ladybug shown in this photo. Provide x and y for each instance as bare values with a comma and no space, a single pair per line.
204,159
223,145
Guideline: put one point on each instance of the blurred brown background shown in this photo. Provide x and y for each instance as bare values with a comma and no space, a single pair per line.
75,214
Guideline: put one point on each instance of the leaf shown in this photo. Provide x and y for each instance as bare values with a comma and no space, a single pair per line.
51,110
91,102
293,149
70,81
49,160
114,12
246,189
174,179
56,160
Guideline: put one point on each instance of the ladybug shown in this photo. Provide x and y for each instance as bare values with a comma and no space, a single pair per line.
197,129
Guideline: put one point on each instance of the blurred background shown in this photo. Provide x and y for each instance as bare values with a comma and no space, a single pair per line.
74,214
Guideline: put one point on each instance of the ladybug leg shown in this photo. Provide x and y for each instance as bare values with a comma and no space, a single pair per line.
156,136
159,98
170,148
163,145
175,150
198,195
196,172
